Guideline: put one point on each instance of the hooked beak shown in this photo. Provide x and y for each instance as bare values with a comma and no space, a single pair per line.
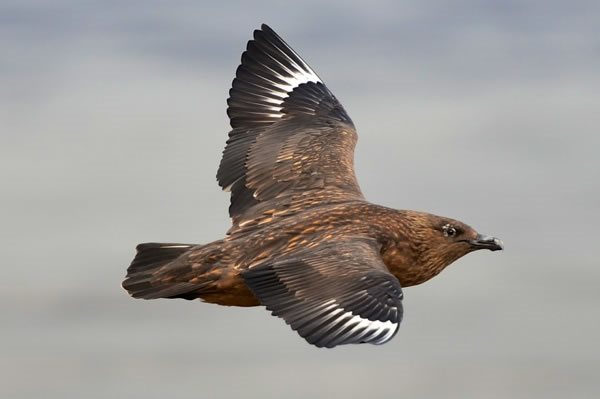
486,242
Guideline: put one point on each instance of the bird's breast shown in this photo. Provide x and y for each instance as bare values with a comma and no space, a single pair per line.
402,262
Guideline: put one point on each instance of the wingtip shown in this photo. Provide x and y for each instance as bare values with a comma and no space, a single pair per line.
265,33
264,28
269,71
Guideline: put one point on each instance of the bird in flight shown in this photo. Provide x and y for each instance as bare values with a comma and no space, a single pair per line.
304,242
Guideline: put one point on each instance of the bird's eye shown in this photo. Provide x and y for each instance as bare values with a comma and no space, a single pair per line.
449,230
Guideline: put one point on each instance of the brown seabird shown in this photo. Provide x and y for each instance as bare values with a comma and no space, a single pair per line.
304,242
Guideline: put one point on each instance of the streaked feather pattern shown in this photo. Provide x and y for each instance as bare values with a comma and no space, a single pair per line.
292,143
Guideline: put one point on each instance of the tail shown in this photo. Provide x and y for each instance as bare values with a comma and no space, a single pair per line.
152,272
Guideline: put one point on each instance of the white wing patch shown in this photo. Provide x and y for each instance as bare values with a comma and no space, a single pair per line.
357,329
269,73
374,331
300,74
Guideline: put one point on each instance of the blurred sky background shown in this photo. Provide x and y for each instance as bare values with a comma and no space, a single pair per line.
112,123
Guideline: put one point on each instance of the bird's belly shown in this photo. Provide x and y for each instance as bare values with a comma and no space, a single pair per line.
230,290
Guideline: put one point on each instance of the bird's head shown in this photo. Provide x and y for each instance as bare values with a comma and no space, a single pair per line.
438,241
453,239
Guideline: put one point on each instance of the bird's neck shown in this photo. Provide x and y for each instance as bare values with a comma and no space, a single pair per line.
406,252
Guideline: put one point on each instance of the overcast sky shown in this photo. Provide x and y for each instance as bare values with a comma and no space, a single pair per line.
112,123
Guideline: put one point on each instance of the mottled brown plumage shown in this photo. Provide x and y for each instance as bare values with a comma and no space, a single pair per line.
304,241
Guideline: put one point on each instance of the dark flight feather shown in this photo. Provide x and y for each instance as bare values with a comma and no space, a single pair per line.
292,143
339,292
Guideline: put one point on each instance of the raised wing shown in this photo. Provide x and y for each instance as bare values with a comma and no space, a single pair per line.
337,293
292,143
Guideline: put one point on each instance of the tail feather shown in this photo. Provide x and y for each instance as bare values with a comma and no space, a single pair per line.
152,255
144,278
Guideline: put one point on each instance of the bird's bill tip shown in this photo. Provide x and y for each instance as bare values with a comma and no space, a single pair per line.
487,242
